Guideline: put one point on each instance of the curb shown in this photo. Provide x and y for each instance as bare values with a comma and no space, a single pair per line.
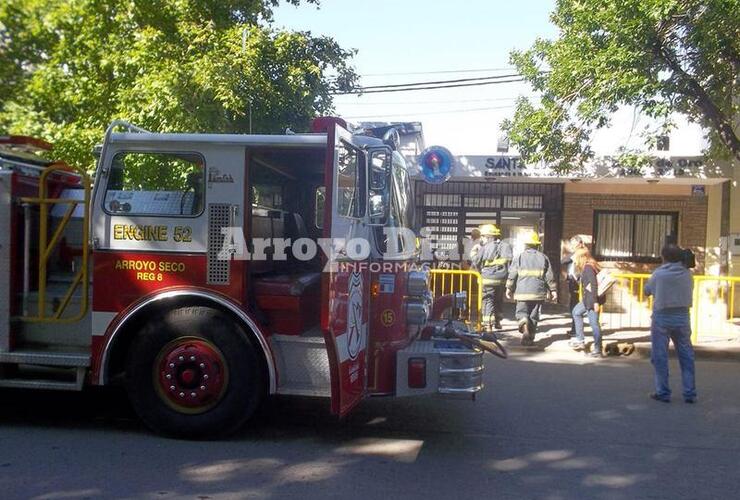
725,353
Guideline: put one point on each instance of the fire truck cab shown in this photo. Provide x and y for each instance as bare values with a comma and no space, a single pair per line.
206,272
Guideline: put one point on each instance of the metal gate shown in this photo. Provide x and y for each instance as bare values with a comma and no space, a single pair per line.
449,211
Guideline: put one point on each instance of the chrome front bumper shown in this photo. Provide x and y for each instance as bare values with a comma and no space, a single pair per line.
452,368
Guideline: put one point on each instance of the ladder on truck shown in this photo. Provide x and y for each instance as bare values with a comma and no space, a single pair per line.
34,352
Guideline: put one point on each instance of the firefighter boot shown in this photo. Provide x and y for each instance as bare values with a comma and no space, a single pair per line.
497,324
526,329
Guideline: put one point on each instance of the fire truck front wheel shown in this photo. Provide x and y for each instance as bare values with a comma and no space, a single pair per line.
193,373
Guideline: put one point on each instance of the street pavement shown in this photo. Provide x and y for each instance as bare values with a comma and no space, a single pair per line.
550,424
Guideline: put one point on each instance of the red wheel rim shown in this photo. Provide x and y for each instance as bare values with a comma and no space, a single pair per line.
191,375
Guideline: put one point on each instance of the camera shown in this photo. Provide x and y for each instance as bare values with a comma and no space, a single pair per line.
688,259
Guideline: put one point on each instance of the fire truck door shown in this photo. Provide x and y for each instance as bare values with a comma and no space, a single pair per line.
346,331
156,215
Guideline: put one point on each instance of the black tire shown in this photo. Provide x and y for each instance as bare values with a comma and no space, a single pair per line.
242,391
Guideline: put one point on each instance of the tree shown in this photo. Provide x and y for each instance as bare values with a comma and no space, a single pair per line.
661,56
69,67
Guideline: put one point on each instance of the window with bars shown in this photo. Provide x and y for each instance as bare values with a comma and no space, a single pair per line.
441,200
482,201
523,202
636,236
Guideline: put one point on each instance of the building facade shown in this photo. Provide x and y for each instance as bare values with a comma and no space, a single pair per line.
625,216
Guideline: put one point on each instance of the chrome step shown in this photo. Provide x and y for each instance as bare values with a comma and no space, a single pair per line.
463,390
40,384
49,384
461,371
45,358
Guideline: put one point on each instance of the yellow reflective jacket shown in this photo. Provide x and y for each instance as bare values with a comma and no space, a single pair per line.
531,276
492,261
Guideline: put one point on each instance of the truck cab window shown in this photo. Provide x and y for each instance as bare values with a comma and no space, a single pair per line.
351,191
144,183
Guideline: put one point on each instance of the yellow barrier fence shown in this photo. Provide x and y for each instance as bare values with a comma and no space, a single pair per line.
447,281
714,304
712,311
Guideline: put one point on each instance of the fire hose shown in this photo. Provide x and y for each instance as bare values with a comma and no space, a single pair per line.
487,342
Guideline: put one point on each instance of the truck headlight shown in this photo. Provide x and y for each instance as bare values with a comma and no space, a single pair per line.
417,311
417,284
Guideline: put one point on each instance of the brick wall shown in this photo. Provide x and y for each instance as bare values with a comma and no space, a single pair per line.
578,218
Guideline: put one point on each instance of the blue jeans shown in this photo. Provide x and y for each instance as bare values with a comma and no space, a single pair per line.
579,311
676,328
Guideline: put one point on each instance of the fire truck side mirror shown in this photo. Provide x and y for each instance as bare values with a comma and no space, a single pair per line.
378,208
379,167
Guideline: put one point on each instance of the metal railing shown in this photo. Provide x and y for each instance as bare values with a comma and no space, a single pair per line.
46,246
713,304
447,281
712,310
627,306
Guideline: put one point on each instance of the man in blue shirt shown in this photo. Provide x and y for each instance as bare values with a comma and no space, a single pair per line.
671,286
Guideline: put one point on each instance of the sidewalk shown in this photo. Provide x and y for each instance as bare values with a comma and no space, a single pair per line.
553,329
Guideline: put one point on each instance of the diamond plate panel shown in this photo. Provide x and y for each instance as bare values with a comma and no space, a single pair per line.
303,365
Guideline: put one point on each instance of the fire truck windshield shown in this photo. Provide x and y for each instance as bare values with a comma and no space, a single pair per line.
401,221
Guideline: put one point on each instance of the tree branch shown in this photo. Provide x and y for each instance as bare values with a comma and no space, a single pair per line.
689,87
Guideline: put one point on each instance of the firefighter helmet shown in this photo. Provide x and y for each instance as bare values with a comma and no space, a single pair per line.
532,239
490,230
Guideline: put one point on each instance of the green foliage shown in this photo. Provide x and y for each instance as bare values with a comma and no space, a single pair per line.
658,55
69,67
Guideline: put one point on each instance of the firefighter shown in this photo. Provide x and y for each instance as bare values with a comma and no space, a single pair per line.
471,246
530,282
492,261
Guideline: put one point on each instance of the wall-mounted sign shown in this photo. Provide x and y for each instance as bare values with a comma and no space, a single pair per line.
698,190
436,164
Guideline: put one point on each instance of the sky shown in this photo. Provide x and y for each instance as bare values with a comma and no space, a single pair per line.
403,41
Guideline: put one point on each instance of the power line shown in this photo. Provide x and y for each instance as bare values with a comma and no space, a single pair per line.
440,82
446,112
440,72
434,87
448,101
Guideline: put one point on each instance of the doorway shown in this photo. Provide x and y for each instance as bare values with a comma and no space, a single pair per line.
516,226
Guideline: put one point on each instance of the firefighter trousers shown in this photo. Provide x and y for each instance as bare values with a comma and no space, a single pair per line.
528,311
492,302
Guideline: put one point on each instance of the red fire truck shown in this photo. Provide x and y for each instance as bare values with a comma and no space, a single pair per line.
206,272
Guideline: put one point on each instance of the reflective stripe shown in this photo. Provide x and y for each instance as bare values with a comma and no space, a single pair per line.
537,273
529,296
493,281
496,262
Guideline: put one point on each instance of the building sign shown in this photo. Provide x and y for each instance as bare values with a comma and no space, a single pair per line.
698,190
505,166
